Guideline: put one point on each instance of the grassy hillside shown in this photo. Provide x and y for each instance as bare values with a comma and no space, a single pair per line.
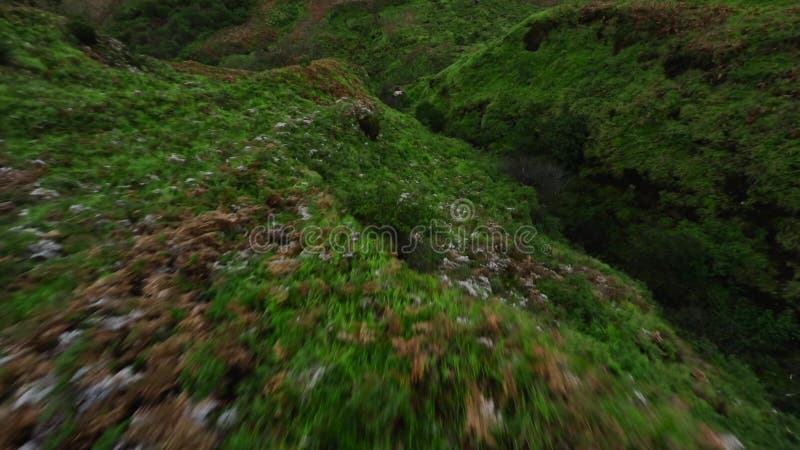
175,277
665,137
395,41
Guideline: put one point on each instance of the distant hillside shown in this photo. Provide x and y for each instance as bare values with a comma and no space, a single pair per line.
187,263
396,41
666,139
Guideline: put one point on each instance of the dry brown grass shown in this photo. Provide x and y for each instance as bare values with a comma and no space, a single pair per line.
148,283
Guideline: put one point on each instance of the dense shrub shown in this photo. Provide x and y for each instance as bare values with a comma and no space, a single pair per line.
546,176
537,33
286,54
370,125
5,54
531,129
82,31
564,137
680,175
392,95
658,252
164,28
429,115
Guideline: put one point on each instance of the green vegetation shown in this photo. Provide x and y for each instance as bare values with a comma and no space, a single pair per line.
83,32
164,28
177,274
396,42
676,128
5,54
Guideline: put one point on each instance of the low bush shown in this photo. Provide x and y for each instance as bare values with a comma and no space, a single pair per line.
565,137
429,115
83,32
370,125
165,28
5,53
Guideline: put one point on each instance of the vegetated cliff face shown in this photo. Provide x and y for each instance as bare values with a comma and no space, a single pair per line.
396,42
677,128
158,291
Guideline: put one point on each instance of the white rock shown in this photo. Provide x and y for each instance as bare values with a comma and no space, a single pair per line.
731,442
200,412
486,342
119,322
35,392
480,287
313,377
489,412
150,219
68,337
46,194
6,359
227,418
45,249
80,373
176,158
449,265
639,396
106,387
77,209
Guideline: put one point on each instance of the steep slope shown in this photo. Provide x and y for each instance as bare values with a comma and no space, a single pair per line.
187,263
160,28
665,137
395,41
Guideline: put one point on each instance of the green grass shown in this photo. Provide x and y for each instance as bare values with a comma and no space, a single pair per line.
403,41
396,42
358,350
675,130
166,28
